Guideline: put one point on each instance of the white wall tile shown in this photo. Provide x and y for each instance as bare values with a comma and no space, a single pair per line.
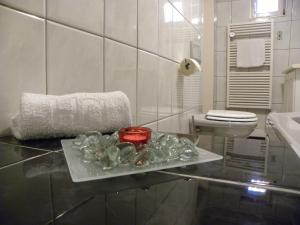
181,37
147,92
220,89
184,7
165,88
184,121
196,46
178,83
168,125
86,15
190,9
22,61
221,63
152,126
148,25
75,57
261,117
165,28
36,7
223,13
192,91
220,105
294,56
277,107
280,62
285,28
75,60
178,123
277,88
221,39
197,13
295,34
240,11
296,10
121,20
120,71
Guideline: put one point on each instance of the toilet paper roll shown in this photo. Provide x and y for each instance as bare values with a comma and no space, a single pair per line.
189,66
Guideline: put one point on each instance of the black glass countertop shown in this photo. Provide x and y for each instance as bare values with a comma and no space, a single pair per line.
36,188
253,161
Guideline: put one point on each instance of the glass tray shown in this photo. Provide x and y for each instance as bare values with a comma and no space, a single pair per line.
81,171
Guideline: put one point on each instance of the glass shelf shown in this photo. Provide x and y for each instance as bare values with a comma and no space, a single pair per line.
81,171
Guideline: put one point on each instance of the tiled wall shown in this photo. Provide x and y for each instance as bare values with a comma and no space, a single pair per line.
65,46
286,51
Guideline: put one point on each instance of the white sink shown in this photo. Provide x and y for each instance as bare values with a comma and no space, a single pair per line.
288,125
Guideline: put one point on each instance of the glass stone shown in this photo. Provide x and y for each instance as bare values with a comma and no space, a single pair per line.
108,152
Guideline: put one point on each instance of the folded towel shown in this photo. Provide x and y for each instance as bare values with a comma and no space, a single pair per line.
46,116
250,53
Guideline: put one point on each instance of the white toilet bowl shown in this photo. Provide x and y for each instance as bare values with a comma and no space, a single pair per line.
225,123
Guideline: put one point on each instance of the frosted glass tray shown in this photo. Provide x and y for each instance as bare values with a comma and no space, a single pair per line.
89,171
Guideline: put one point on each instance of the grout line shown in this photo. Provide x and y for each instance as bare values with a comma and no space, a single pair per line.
46,48
104,48
137,64
290,31
172,53
74,27
52,202
175,114
78,205
25,160
186,19
22,11
104,38
230,12
92,33
24,146
161,203
158,65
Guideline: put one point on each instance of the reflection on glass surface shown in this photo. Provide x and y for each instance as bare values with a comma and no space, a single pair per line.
256,162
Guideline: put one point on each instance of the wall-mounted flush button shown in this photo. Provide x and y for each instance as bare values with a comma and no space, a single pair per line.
279,35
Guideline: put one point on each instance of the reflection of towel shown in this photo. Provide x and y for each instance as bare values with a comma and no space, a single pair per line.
45,116
250,53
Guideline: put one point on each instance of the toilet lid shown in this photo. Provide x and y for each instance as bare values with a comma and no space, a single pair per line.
231,114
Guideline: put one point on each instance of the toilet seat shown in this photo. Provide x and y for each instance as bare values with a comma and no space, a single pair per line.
230,114
228,119
201,120
226,123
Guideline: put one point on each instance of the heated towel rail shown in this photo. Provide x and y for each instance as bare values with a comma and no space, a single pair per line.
249,87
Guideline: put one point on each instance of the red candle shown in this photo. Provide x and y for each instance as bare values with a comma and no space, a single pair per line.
135,135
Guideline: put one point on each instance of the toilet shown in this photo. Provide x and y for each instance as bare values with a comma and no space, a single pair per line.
225,123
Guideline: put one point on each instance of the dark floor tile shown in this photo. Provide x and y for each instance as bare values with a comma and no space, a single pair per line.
25,196
11,154
91,211
52,144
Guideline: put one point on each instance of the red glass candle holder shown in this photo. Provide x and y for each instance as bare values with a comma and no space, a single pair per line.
135,135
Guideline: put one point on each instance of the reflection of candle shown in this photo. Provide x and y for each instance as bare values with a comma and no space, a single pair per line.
135,135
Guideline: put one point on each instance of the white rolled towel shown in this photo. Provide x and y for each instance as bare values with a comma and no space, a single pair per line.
46,116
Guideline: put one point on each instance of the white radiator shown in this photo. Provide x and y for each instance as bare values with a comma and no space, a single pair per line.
249,87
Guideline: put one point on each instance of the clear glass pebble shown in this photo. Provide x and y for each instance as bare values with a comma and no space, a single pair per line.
108,152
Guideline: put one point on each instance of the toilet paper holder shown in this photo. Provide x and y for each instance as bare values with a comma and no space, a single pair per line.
189,66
